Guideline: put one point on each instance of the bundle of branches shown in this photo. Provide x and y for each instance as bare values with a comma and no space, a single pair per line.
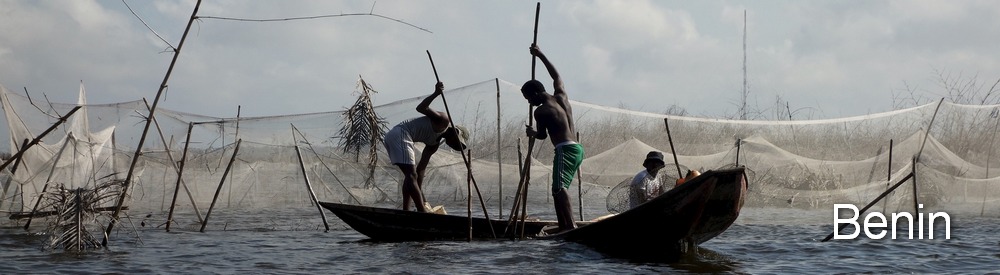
363,128
76,209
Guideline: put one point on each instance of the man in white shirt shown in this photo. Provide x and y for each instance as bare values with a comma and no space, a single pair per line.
645,185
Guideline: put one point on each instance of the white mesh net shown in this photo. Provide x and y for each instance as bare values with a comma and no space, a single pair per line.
809,164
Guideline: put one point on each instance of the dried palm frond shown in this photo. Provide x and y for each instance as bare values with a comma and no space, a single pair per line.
77,211
363,128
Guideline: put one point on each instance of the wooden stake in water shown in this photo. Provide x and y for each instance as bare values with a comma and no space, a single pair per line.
670,139
312,195
52,172
218,190
180,173
145,130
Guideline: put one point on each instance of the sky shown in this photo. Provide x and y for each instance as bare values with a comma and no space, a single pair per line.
825,59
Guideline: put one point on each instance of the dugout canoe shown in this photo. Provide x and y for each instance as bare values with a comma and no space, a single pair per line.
665,226
395,225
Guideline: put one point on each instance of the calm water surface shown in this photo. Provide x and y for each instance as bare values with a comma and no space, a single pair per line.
762,241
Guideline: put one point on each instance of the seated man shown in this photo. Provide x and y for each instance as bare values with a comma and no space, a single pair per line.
645,185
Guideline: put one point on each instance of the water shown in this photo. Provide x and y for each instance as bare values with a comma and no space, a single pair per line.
763,240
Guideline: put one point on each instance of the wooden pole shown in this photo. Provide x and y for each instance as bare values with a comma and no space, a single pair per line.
219,189
526,174
13,169
579,185
468,165
309,186
38,138
914,172
739,144
989,154
888,175
517,194
500,156
828,237
55,163
173,163
145,131
670,139
177,185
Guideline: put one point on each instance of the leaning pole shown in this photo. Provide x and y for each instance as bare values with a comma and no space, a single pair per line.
145,130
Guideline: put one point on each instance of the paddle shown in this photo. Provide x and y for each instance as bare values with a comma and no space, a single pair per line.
468,166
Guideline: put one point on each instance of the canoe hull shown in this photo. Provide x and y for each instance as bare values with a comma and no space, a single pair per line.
393,225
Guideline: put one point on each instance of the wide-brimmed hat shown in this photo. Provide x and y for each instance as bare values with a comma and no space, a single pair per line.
463,135
653,156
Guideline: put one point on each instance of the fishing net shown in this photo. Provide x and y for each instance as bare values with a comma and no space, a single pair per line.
800,164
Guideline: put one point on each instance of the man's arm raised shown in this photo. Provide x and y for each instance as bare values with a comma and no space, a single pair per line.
424,107
557,83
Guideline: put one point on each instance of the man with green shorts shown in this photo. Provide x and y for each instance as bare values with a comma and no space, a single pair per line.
554,118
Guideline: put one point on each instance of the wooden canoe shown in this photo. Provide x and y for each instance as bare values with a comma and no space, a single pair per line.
665,226
384,224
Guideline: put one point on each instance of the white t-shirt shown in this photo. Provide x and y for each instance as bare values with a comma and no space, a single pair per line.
643,188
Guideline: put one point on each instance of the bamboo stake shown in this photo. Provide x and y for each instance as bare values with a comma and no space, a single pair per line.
888,175
38,138
318,157
468,165
989,154
579,185
500,155
672,152
179,183
145,131
219,189
13,169
927,134
739,144
173,163
914,172
229,196
311,193
828,237
52,172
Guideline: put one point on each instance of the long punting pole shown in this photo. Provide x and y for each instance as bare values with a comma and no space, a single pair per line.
309,185
670,139
13,169
517,194
177,185
219,189
526,170
145,130
500,156
470,180
52,172
38,138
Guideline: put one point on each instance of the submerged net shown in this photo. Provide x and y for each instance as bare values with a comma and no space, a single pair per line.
800,164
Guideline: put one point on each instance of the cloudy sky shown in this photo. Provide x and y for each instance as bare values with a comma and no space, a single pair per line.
831,58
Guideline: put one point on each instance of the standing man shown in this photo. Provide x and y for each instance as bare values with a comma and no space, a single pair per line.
428,129
554,118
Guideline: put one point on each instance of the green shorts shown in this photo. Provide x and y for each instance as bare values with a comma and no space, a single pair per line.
565,163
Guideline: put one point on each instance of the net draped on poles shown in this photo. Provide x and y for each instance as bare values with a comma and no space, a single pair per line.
801,164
